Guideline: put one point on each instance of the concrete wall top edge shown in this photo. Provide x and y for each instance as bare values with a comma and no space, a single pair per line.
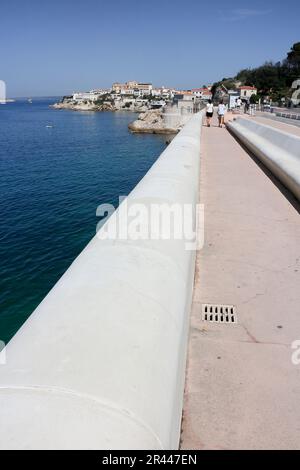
113,328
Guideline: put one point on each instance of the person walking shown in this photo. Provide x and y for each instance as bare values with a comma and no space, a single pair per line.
221,113
238,103
209,112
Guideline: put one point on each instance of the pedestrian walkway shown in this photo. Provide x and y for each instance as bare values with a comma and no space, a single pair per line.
242,389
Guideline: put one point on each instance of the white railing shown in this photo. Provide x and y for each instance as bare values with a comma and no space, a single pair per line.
100,364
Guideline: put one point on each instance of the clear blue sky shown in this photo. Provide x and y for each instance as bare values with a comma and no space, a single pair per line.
59,46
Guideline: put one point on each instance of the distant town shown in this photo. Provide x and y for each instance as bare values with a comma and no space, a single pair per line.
141,92
137,96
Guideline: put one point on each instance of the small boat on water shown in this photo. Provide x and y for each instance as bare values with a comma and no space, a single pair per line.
49,125
29,100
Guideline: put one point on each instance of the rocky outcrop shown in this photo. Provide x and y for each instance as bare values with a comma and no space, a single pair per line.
94,106
85,106
151,122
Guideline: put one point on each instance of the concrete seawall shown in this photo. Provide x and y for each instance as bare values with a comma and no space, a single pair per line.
100,364
278,150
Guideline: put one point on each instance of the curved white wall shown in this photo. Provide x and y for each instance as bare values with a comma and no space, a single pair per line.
100,364
278,150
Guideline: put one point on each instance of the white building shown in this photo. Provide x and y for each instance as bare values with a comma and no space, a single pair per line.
156,92
85,96
247,91
132,88
206,95
101,91
92,95
162,92
197,92
202,93
127,91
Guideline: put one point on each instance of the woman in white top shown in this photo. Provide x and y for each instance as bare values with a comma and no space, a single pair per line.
209,112
221,113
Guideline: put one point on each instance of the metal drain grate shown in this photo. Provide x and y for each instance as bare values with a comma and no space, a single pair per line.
219,313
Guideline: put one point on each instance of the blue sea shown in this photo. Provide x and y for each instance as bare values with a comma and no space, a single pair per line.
51,181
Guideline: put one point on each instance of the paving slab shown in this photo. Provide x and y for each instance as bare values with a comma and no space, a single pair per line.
242,389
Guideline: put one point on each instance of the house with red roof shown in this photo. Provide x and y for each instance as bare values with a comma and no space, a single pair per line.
247,91
203,93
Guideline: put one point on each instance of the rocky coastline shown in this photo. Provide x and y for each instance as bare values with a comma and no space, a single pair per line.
101,105
151,121
76,106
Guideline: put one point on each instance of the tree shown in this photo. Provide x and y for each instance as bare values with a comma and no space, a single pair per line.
244,75
293,57
254,99
291,65
272,79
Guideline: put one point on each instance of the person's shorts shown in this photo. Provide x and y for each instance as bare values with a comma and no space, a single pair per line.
209,115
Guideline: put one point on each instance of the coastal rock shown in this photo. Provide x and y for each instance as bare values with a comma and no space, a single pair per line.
151,122
88,106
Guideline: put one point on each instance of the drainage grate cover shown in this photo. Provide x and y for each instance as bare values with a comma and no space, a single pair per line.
219,313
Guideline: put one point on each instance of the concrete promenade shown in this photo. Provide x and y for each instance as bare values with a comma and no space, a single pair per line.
242,389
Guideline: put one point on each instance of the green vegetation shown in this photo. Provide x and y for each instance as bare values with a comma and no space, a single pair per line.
270,79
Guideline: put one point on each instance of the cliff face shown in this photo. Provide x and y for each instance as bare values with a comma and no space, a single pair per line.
151,122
